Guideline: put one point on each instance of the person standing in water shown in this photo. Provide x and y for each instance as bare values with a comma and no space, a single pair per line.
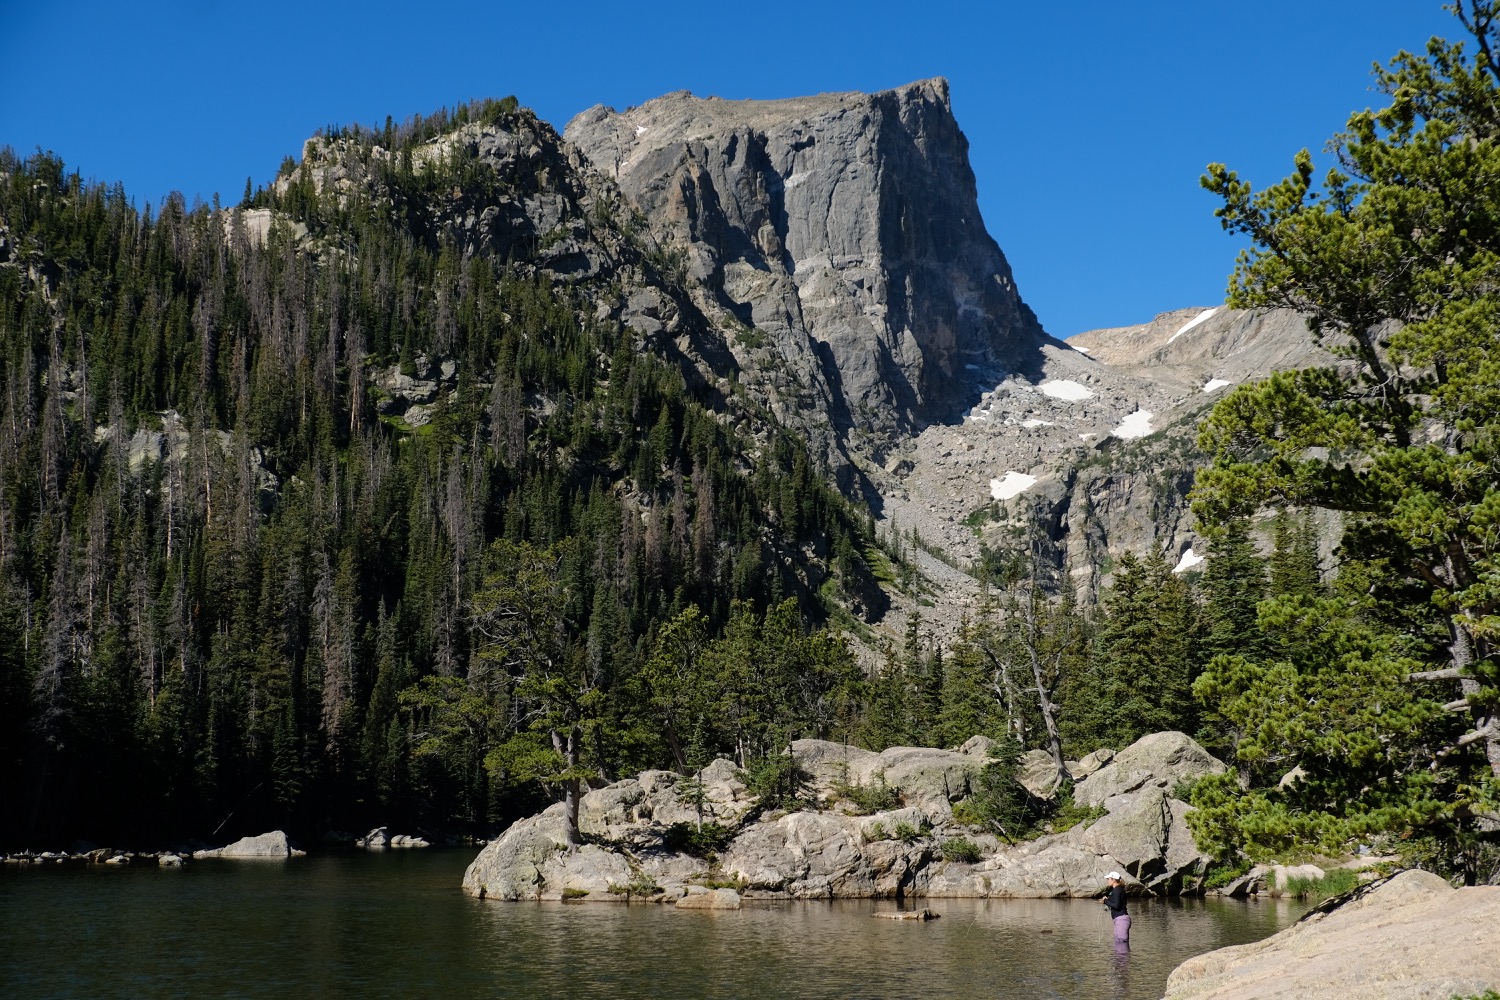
1114,898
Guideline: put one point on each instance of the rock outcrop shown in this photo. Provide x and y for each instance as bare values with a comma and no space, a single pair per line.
1158,761
381,838
845,227
1412,937
634,829
268,845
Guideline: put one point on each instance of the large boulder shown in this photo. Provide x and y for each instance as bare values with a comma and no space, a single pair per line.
712,899
1412,937
1058,870
1038,773
929,779
809,855
1161,760
511,866
1147,833
268,845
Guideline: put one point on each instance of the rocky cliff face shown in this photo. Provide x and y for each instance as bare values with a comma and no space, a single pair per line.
845,229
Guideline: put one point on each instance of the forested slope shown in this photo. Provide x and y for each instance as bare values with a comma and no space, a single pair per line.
237,562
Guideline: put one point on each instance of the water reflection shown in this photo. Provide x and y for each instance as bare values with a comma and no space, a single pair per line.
980,948
396,925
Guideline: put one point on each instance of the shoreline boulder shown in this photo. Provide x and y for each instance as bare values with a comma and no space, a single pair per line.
268,845
1414,936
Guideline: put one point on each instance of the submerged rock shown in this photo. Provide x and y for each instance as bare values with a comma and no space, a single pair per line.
713,899
921,915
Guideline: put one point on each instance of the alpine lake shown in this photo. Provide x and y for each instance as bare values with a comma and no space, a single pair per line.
358,924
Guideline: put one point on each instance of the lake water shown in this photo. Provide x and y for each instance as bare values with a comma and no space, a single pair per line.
395,924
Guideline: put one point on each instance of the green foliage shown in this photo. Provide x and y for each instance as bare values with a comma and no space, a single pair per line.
640,884
700,840
909,832
866,799
1221,873
967,812
1067,814
1393,259
571,893
1468,856
962,850
1139,678
998,801
778,782
1334,882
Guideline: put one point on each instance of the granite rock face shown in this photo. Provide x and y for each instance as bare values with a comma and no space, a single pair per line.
268,845
1158,760
843,226
834,852
927,778
1414,937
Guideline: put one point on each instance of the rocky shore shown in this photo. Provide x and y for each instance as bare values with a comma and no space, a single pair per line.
275,844
1412,937
633,831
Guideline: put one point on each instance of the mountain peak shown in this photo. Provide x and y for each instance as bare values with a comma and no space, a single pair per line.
846,227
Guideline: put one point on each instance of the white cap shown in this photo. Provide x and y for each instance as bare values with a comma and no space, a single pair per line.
1113,875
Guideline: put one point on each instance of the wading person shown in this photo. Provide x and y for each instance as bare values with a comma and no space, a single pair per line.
1114,898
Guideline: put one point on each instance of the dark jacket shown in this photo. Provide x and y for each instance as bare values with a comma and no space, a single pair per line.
1115,900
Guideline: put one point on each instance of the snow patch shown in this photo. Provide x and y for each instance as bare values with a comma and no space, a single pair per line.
1014,484
1137,425
1189,560
1205,314
1066,389
1080,350
640,130
1215,383
1033,422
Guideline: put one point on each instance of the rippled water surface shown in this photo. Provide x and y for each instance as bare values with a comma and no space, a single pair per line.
396,925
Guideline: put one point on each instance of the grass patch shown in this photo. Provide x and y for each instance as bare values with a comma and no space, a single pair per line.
866,799
907,833
961,849
1335,882
640,884
1070,814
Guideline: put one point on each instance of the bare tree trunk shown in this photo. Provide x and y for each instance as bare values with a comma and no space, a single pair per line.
568,750
1486,727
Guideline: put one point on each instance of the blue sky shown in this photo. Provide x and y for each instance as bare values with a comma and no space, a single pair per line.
1089,122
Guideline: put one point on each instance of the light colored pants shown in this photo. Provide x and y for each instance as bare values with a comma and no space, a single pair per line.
1122,928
